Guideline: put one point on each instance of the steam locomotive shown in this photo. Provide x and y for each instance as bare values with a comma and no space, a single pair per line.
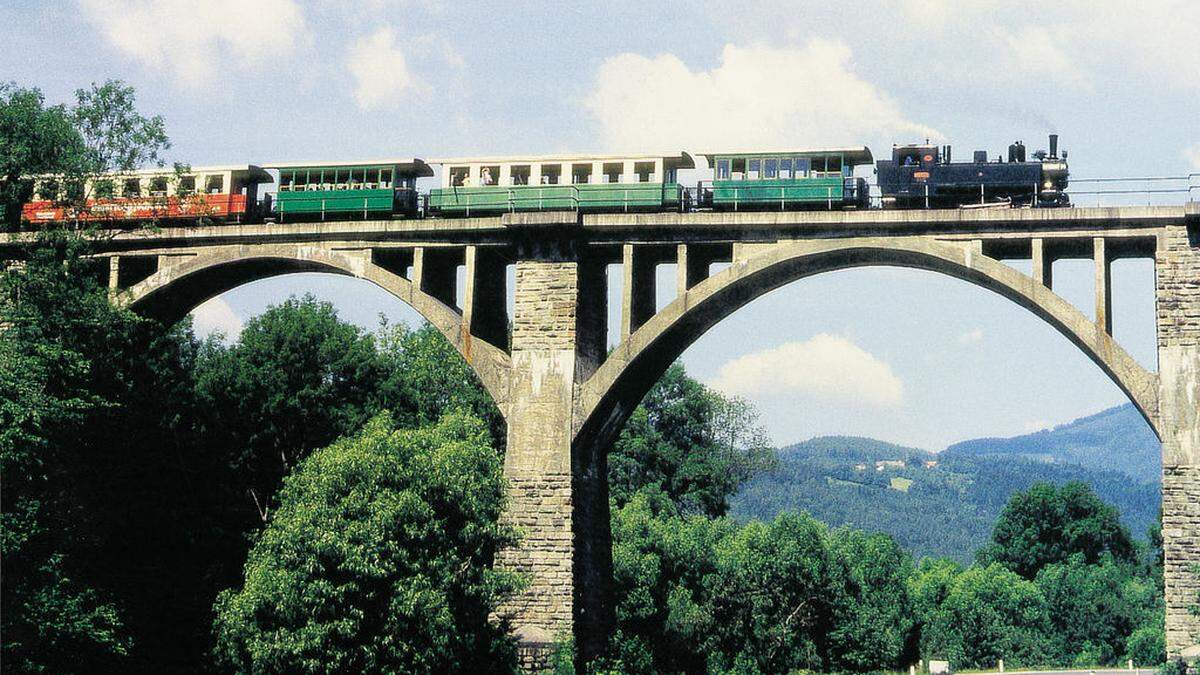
924,176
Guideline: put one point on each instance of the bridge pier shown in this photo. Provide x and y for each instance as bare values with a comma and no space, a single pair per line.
1178,312
558,494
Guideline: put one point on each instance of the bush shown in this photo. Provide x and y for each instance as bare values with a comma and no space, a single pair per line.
378,559
1147,646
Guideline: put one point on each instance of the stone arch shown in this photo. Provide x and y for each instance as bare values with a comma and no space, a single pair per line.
608,397
178,287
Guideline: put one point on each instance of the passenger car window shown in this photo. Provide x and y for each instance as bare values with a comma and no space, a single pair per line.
722,169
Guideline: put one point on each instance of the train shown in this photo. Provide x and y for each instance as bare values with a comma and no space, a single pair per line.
913,177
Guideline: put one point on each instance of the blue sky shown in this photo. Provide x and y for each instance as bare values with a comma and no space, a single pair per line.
905,356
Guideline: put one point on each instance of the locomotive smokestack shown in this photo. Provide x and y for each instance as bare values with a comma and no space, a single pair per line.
1053,145
948,154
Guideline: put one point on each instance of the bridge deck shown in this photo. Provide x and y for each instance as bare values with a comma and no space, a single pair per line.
678,227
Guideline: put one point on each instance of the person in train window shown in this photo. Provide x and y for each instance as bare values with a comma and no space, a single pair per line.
486,178
909,160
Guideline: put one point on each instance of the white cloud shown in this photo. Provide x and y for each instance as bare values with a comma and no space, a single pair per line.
757,96
1158,35
380,70
216,316
825,367
971,337
1192,153
1034,51
195,41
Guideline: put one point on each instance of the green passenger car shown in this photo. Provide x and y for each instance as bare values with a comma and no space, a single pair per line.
599,183
787,180
466,201
346,190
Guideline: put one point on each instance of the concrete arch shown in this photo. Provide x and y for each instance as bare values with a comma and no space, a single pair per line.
608,397
176,288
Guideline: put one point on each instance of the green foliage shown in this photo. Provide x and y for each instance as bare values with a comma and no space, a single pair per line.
874,619
989,613
1147,645
660,563
694,445
771,608
929,586
116,137
102,132
699,594
55,402
426,377
1046,525
378,559
1091,616
297,378
34,139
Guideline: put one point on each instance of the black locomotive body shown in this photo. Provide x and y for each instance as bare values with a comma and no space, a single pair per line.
924,176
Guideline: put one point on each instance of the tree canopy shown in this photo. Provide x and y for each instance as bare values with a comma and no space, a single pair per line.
1046,524
102,132
378,560
693,444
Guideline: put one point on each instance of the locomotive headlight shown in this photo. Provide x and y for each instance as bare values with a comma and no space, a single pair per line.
1048,184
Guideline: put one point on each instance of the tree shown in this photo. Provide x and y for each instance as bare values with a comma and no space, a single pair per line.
102,133
34,139
990,613
297,378
378,559
1046,524
694,445
661,563
773,597
426,377
1091,617
873,627
929,586
54,319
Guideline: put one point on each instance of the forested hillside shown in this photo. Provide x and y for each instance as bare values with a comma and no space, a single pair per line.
1117,439
944,504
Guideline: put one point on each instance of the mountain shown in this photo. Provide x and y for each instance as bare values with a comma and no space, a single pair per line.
945,504
1117,439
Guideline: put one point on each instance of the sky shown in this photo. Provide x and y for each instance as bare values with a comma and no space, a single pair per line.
906,356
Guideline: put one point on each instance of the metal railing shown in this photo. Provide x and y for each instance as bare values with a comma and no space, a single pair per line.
1113,191
625,197
512,199
760,195
405,200
1104,191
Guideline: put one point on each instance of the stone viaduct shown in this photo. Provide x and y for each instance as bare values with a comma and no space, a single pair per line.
565,396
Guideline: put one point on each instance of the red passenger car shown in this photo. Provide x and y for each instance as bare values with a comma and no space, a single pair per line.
222,193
